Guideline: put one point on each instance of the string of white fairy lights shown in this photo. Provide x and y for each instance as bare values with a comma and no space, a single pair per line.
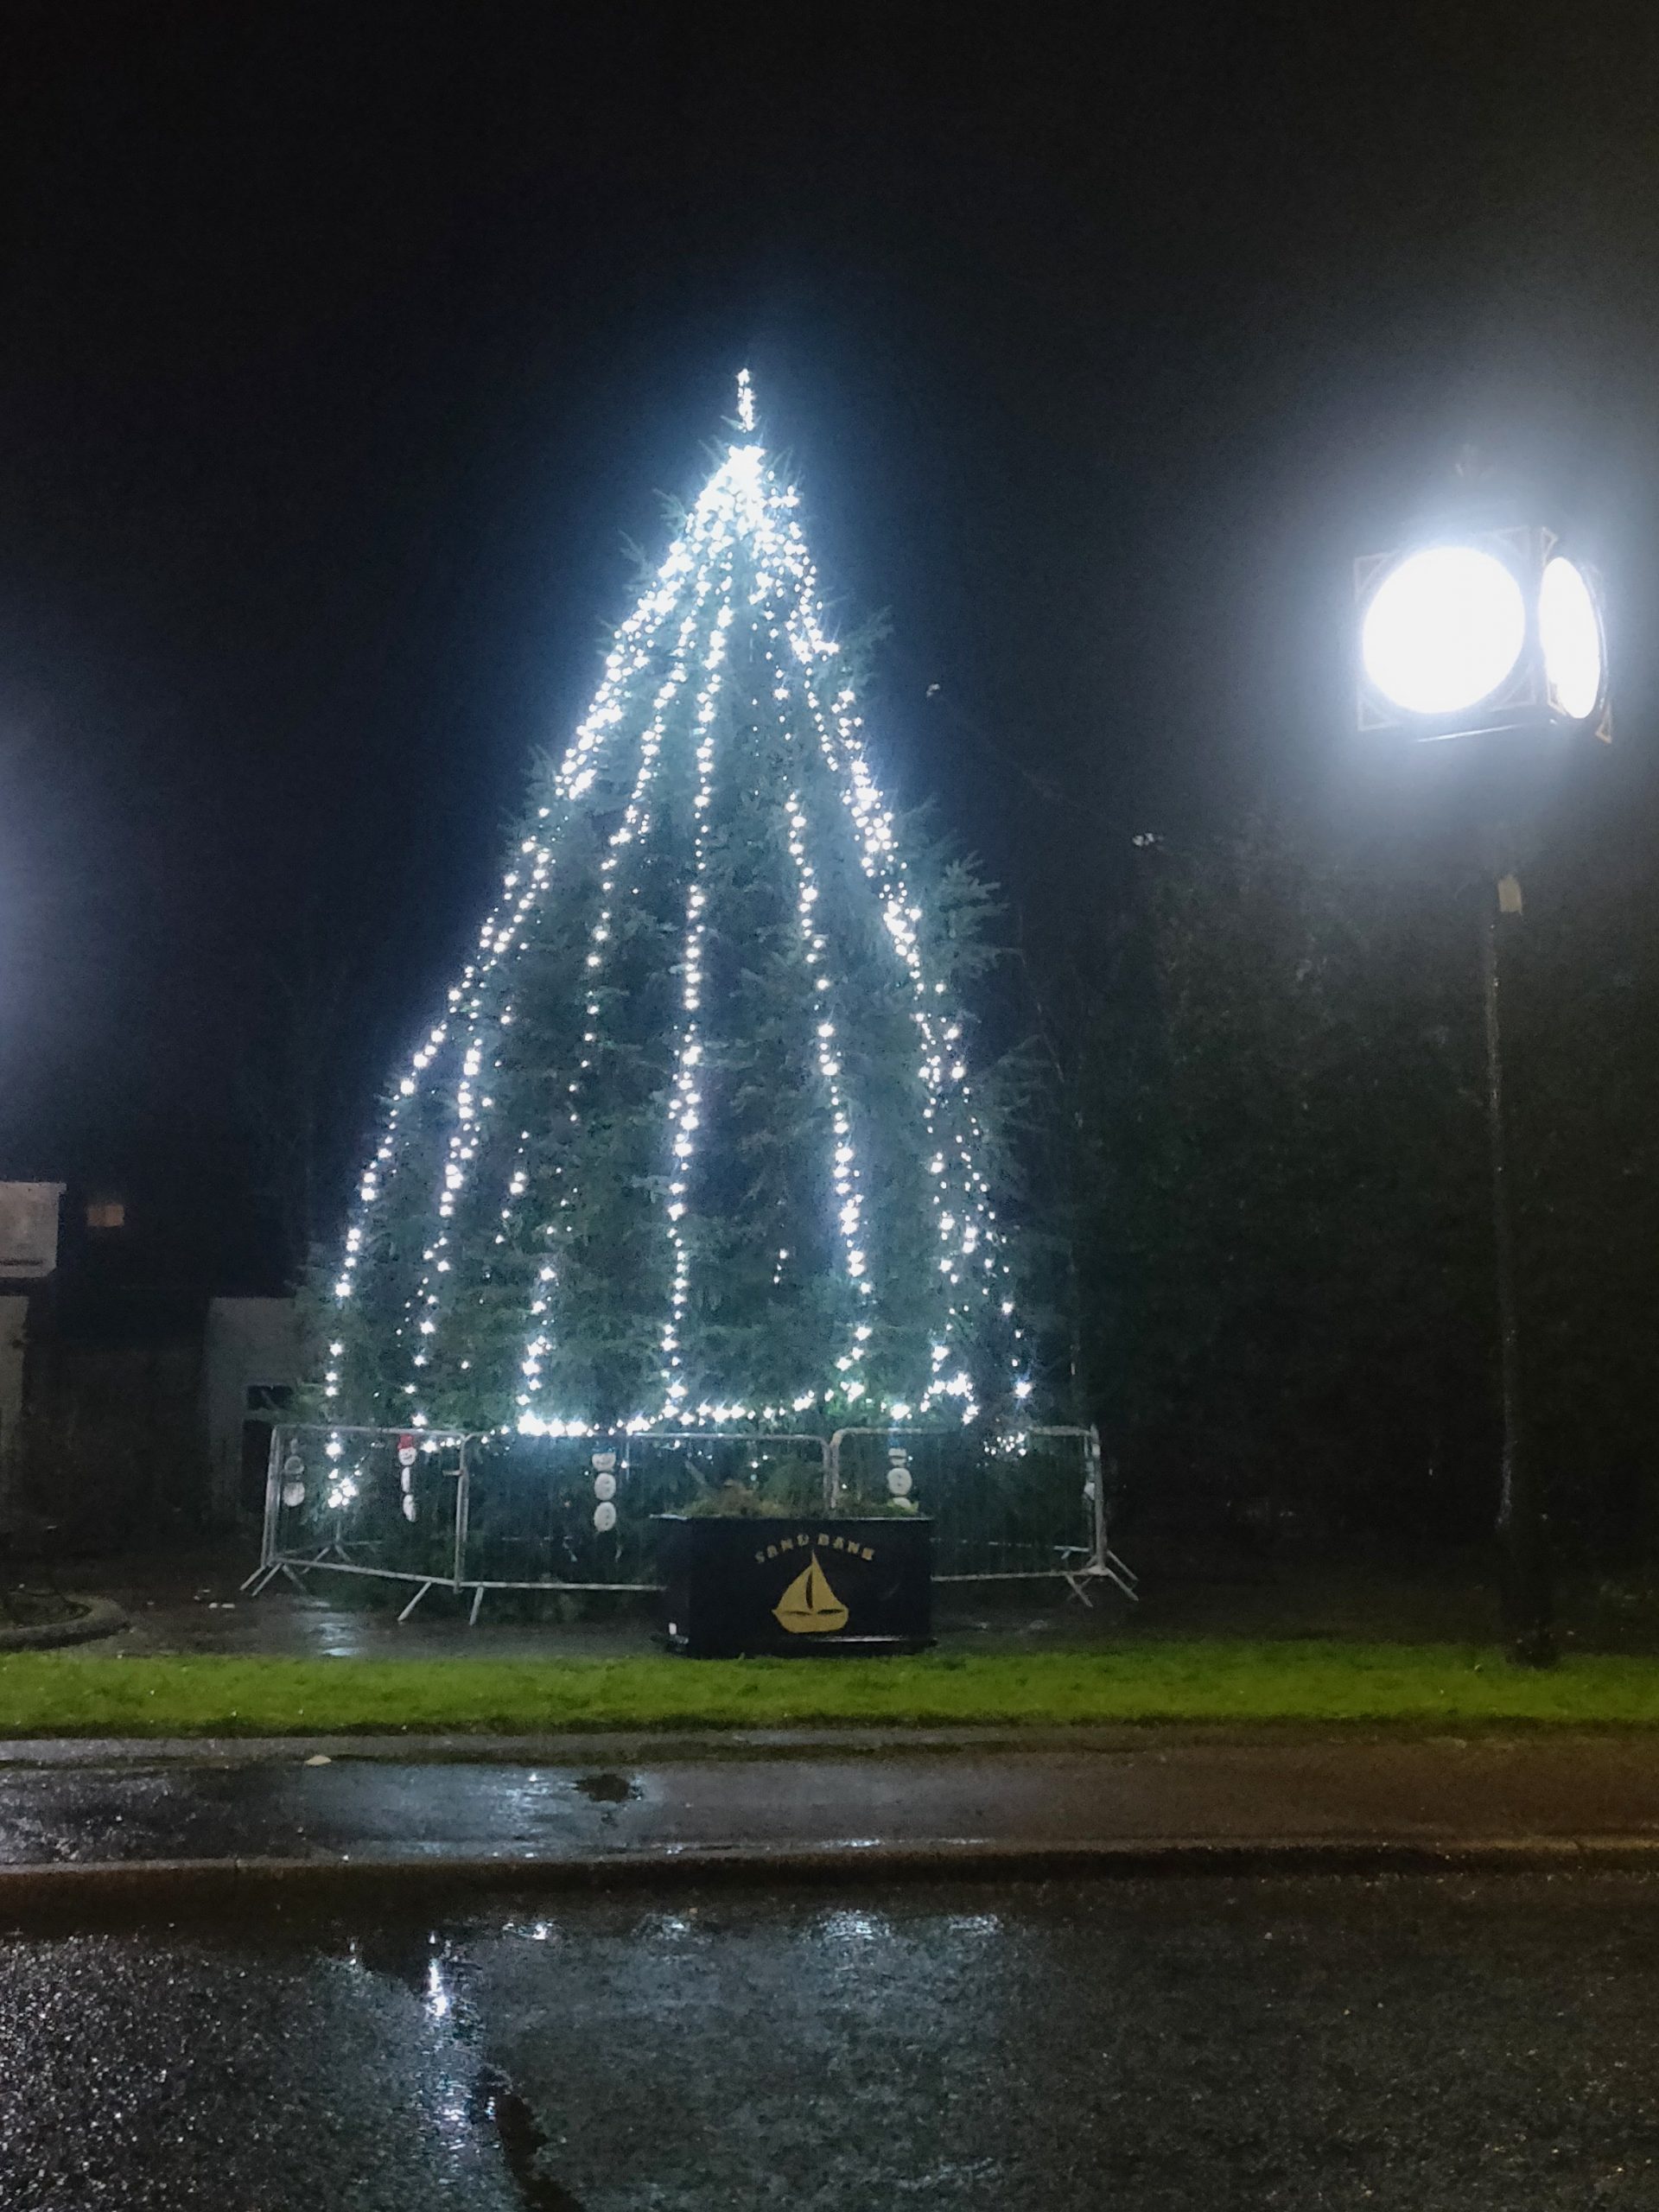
684,1114
501,944
633,828
973,1257
502,935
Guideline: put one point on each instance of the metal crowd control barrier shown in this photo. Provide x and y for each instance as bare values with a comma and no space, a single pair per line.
1036,1511
477,1510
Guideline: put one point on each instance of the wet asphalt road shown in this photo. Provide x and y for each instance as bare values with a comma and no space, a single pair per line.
1407,2043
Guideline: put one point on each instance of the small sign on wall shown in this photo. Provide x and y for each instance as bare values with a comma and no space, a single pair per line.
29,1230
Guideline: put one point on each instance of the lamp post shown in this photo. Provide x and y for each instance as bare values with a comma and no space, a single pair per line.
1493,633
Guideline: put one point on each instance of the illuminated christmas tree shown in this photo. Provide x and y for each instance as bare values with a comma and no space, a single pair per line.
695,1143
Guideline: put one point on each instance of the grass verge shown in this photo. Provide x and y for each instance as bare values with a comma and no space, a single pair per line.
82,1693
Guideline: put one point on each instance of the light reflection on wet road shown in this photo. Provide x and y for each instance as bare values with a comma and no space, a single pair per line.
1404,2043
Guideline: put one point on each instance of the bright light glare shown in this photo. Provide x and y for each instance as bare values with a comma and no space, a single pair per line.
1571,638
1443,630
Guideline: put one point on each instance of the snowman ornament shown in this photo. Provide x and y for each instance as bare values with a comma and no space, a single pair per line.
604,1464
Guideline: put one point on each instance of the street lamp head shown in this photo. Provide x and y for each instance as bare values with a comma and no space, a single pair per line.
1494,630
1569,638
1444,630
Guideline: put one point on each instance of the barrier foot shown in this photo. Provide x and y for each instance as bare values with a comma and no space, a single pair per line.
1119,1571
413,1602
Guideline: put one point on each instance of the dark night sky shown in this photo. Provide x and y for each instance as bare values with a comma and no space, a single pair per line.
340,348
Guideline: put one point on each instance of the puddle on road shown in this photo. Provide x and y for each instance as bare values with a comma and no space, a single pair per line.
522,2143
607,1789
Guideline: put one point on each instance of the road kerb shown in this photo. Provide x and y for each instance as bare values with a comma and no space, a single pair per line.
163,1885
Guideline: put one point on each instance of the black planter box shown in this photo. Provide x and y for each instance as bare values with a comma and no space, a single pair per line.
741,1588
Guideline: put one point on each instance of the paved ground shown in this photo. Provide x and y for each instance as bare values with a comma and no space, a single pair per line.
191,1602
1411,2045
195,1604
576,1800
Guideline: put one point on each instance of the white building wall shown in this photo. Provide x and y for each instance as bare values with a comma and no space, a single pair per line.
251,1344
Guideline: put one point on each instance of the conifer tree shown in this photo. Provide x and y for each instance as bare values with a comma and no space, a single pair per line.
694,1141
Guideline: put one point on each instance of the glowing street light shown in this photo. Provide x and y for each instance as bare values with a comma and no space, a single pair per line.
1488,633
1498,629
1569,636
1443,630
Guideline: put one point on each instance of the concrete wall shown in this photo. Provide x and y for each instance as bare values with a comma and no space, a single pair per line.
251,1344
110,1445
14,1325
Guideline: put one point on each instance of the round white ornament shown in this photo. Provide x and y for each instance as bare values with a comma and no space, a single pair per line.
604,1486
293,1493
605,1517
898,1480
409,1508
405,1455
604,1463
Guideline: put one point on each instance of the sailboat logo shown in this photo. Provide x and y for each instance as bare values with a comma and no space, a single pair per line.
809,1606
